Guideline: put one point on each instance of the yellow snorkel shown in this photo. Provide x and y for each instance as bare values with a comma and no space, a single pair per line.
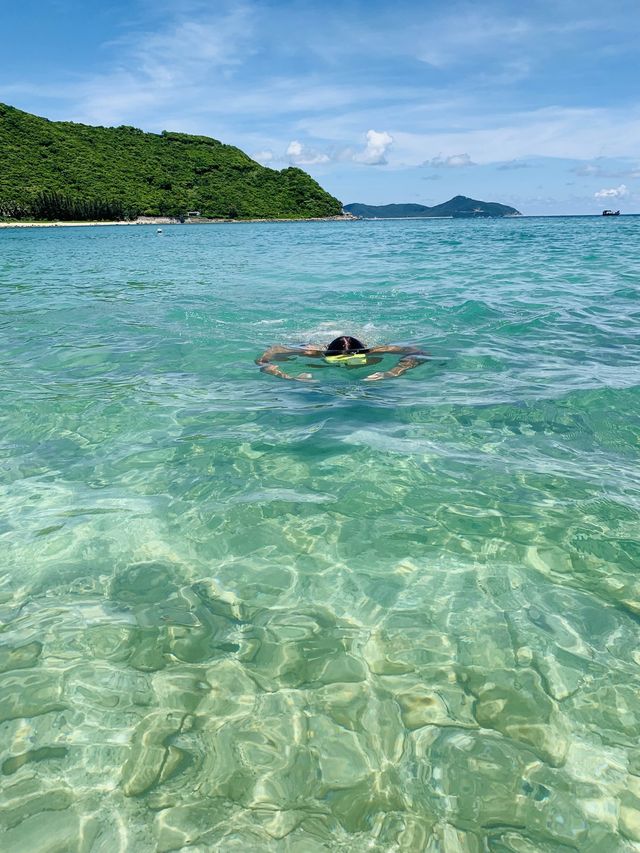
351,359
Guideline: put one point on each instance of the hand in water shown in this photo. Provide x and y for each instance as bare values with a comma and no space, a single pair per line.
373,377
305,377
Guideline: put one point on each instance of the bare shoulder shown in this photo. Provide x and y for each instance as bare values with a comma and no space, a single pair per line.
393,348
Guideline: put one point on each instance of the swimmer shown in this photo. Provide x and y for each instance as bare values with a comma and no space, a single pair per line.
345,352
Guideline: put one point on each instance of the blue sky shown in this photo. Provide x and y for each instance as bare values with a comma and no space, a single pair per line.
533,104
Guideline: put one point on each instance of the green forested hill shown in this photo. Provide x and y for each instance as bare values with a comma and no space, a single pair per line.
62,170
459,206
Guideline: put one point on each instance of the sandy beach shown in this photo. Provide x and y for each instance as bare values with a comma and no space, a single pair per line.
167,220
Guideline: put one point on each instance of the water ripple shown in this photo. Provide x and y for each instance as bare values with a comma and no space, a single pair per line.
243,614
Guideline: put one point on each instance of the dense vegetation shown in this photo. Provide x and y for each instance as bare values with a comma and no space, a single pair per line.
67,171
460,206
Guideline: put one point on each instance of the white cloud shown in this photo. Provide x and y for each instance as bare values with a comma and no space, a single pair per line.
212,41
375,150
301,155
614,192
174,67
373,154
263,156
453,161
575,134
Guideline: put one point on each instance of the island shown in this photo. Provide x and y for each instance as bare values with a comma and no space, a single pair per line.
458,207
68,172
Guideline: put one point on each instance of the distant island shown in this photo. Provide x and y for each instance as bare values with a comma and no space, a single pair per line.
73,172
458,207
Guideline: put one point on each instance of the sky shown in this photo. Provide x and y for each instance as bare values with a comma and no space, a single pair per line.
535,105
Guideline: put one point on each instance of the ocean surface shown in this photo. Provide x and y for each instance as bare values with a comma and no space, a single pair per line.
244,614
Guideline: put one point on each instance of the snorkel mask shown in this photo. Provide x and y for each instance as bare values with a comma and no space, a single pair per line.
351,359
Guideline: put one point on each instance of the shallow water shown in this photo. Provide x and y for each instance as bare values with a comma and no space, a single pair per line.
240,613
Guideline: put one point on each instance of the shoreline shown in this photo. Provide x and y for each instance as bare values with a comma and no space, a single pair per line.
171,220
167,220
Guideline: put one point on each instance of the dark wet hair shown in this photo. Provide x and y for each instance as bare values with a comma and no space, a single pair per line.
345,344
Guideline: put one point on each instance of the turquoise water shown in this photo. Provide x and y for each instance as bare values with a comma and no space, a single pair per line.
240,613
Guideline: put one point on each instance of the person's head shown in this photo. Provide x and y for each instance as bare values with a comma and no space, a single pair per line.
345,344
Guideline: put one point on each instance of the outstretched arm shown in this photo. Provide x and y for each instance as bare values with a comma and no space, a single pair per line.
407,362
280,353
276,350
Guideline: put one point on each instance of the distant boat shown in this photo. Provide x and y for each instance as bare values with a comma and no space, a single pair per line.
611,213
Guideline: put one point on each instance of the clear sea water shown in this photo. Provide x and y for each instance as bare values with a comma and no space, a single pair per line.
244,614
